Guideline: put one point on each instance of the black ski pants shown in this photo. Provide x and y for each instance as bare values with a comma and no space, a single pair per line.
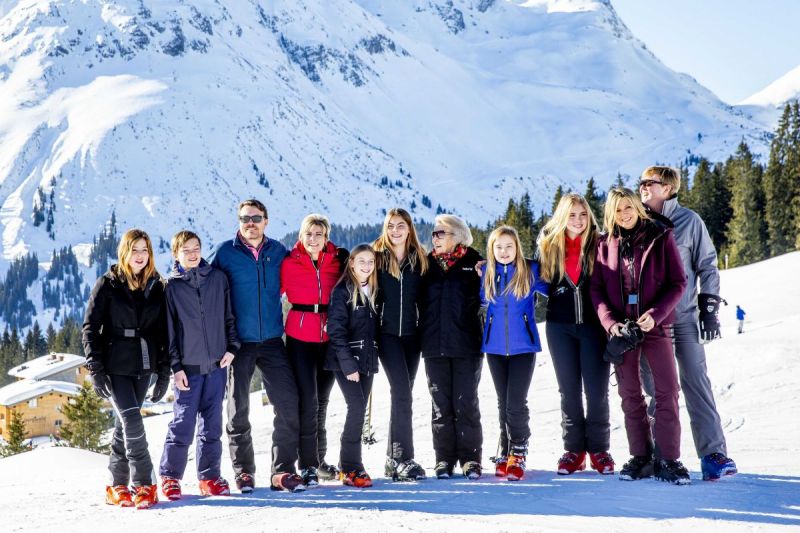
512,375
314,385
272,360
456,416
356,396
400,360
130,459
577,354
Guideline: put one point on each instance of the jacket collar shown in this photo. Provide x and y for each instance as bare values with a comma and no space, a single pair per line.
200,271
670,206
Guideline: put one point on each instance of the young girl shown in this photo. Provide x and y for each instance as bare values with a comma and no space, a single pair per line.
202,343
638,275
124,339
353,353
510,341
401,263
574,335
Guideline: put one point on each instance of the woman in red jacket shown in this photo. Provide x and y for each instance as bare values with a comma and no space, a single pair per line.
308,275
638,276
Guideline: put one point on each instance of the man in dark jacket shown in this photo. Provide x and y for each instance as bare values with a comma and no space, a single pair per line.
658,188
252,262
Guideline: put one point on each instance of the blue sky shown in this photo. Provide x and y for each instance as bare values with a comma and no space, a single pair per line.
733,47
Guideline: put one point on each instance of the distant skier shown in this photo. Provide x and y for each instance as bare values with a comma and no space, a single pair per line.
740,317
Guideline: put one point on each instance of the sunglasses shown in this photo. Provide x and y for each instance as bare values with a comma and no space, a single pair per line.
645,184
245,219
440,234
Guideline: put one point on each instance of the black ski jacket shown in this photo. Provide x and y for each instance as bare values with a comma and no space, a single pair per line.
353,344
117,339
449,322
398,299
571,303
200,321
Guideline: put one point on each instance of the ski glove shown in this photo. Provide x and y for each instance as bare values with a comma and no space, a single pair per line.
160,388
102,384
631,337
709,322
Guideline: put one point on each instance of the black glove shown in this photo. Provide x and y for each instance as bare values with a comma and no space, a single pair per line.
102,384
631,335
708,305
160,388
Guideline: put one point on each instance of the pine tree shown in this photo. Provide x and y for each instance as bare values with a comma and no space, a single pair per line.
747,230
15,442
780,189
51,338
793,167
710,197
86,421
594,198
557,198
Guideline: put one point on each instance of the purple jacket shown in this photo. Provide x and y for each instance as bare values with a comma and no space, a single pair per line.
661,278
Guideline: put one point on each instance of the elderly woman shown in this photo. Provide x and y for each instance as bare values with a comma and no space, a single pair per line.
451,340
308,275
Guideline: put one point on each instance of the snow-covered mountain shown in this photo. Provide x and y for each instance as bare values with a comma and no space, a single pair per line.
777,93
170,112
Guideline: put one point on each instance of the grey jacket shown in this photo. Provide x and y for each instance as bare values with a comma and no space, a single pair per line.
697,254
200,321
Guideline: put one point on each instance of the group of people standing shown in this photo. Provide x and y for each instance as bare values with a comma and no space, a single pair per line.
390,304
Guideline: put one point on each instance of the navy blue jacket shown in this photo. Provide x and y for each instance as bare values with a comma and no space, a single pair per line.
510,326
255,287
199,319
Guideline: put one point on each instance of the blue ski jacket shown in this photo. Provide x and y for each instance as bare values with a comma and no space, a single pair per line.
510,326
255,287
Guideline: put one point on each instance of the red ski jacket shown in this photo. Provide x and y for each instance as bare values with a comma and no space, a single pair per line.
307,285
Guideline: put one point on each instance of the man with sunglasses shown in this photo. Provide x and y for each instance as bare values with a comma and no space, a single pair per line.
252,262
659,188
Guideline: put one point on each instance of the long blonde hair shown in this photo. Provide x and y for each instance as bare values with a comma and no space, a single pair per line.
520,284
552,240
352,283
414,251
124,251
615,196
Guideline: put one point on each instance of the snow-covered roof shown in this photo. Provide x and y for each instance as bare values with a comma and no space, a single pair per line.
47,365
26,389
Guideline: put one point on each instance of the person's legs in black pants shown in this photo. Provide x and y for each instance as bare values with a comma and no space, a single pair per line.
443,424
356,394
595,373
520,374
498,368
130,459
325,381
400,359
466,372
303,357
281,387
238,428
565,353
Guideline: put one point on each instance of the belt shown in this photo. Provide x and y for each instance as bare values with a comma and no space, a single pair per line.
129,333
311,308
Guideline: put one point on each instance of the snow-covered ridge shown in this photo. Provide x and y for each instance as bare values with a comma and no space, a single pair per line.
777,93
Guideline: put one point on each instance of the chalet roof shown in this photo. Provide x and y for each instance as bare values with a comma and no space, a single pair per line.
47,365
26,389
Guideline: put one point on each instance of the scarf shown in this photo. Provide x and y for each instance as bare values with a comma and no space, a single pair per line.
448,259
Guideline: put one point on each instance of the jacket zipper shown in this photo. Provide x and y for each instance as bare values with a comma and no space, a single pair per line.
202,315
489,329
578,301
505,303
258,274
319,296
400,333
528,327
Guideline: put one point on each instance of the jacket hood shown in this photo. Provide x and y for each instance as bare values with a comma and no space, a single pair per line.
178,273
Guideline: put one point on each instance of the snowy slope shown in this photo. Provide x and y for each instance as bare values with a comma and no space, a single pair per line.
758,397
777,93
171,112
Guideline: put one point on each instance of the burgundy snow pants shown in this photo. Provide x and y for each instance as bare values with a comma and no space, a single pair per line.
657,348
